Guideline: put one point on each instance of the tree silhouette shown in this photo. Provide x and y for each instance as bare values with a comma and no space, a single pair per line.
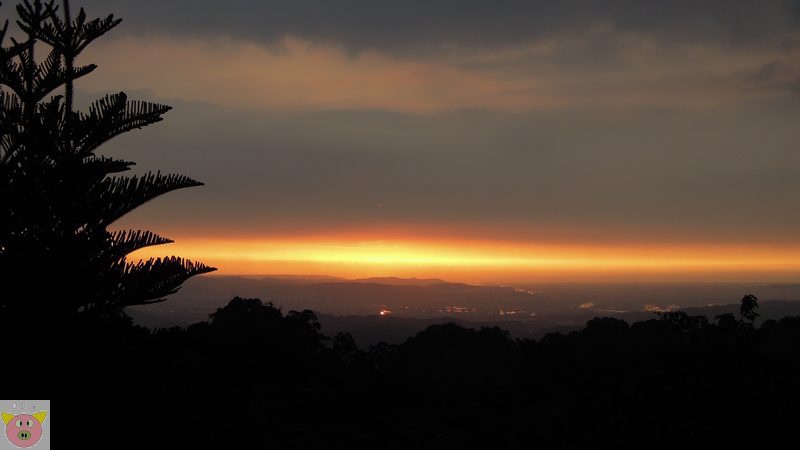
747,310
57,197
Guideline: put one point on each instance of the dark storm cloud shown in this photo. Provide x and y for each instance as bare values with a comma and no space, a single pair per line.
414,24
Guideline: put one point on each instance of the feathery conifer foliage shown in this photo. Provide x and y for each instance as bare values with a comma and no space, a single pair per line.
57,196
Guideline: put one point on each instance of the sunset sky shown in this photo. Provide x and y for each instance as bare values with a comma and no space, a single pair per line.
485,141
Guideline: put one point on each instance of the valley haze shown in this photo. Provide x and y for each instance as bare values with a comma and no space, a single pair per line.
392,309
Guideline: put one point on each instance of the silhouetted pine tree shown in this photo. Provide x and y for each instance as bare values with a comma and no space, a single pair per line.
57,197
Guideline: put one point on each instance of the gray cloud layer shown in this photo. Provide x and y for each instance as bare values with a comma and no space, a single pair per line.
414,24
657,175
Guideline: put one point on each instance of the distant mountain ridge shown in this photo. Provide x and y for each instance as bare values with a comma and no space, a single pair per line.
410,305
394,281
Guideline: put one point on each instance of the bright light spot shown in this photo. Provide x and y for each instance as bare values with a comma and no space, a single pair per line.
656,308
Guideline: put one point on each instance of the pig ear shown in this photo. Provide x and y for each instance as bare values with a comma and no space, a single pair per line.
7,417
40,416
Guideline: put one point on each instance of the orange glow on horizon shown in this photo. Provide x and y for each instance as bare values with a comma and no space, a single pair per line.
486,261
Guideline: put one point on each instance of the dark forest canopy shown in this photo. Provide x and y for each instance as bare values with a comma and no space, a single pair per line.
273,380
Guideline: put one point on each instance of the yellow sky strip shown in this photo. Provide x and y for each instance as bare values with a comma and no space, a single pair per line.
368,258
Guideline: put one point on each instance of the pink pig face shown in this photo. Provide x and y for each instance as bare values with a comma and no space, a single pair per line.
24,430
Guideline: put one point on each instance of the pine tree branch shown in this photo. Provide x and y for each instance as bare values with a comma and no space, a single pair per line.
9,145
89,31
11,72
10,123
9,102
73,36
51,74
116,196
14,50
50,32
111,116
49,67
31,17
128,241
10,112
94,169
37,12
148,282
101,166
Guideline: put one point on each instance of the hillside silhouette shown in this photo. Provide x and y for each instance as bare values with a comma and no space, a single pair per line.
269,379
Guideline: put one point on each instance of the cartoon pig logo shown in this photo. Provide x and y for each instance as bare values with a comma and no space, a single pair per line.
24,430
